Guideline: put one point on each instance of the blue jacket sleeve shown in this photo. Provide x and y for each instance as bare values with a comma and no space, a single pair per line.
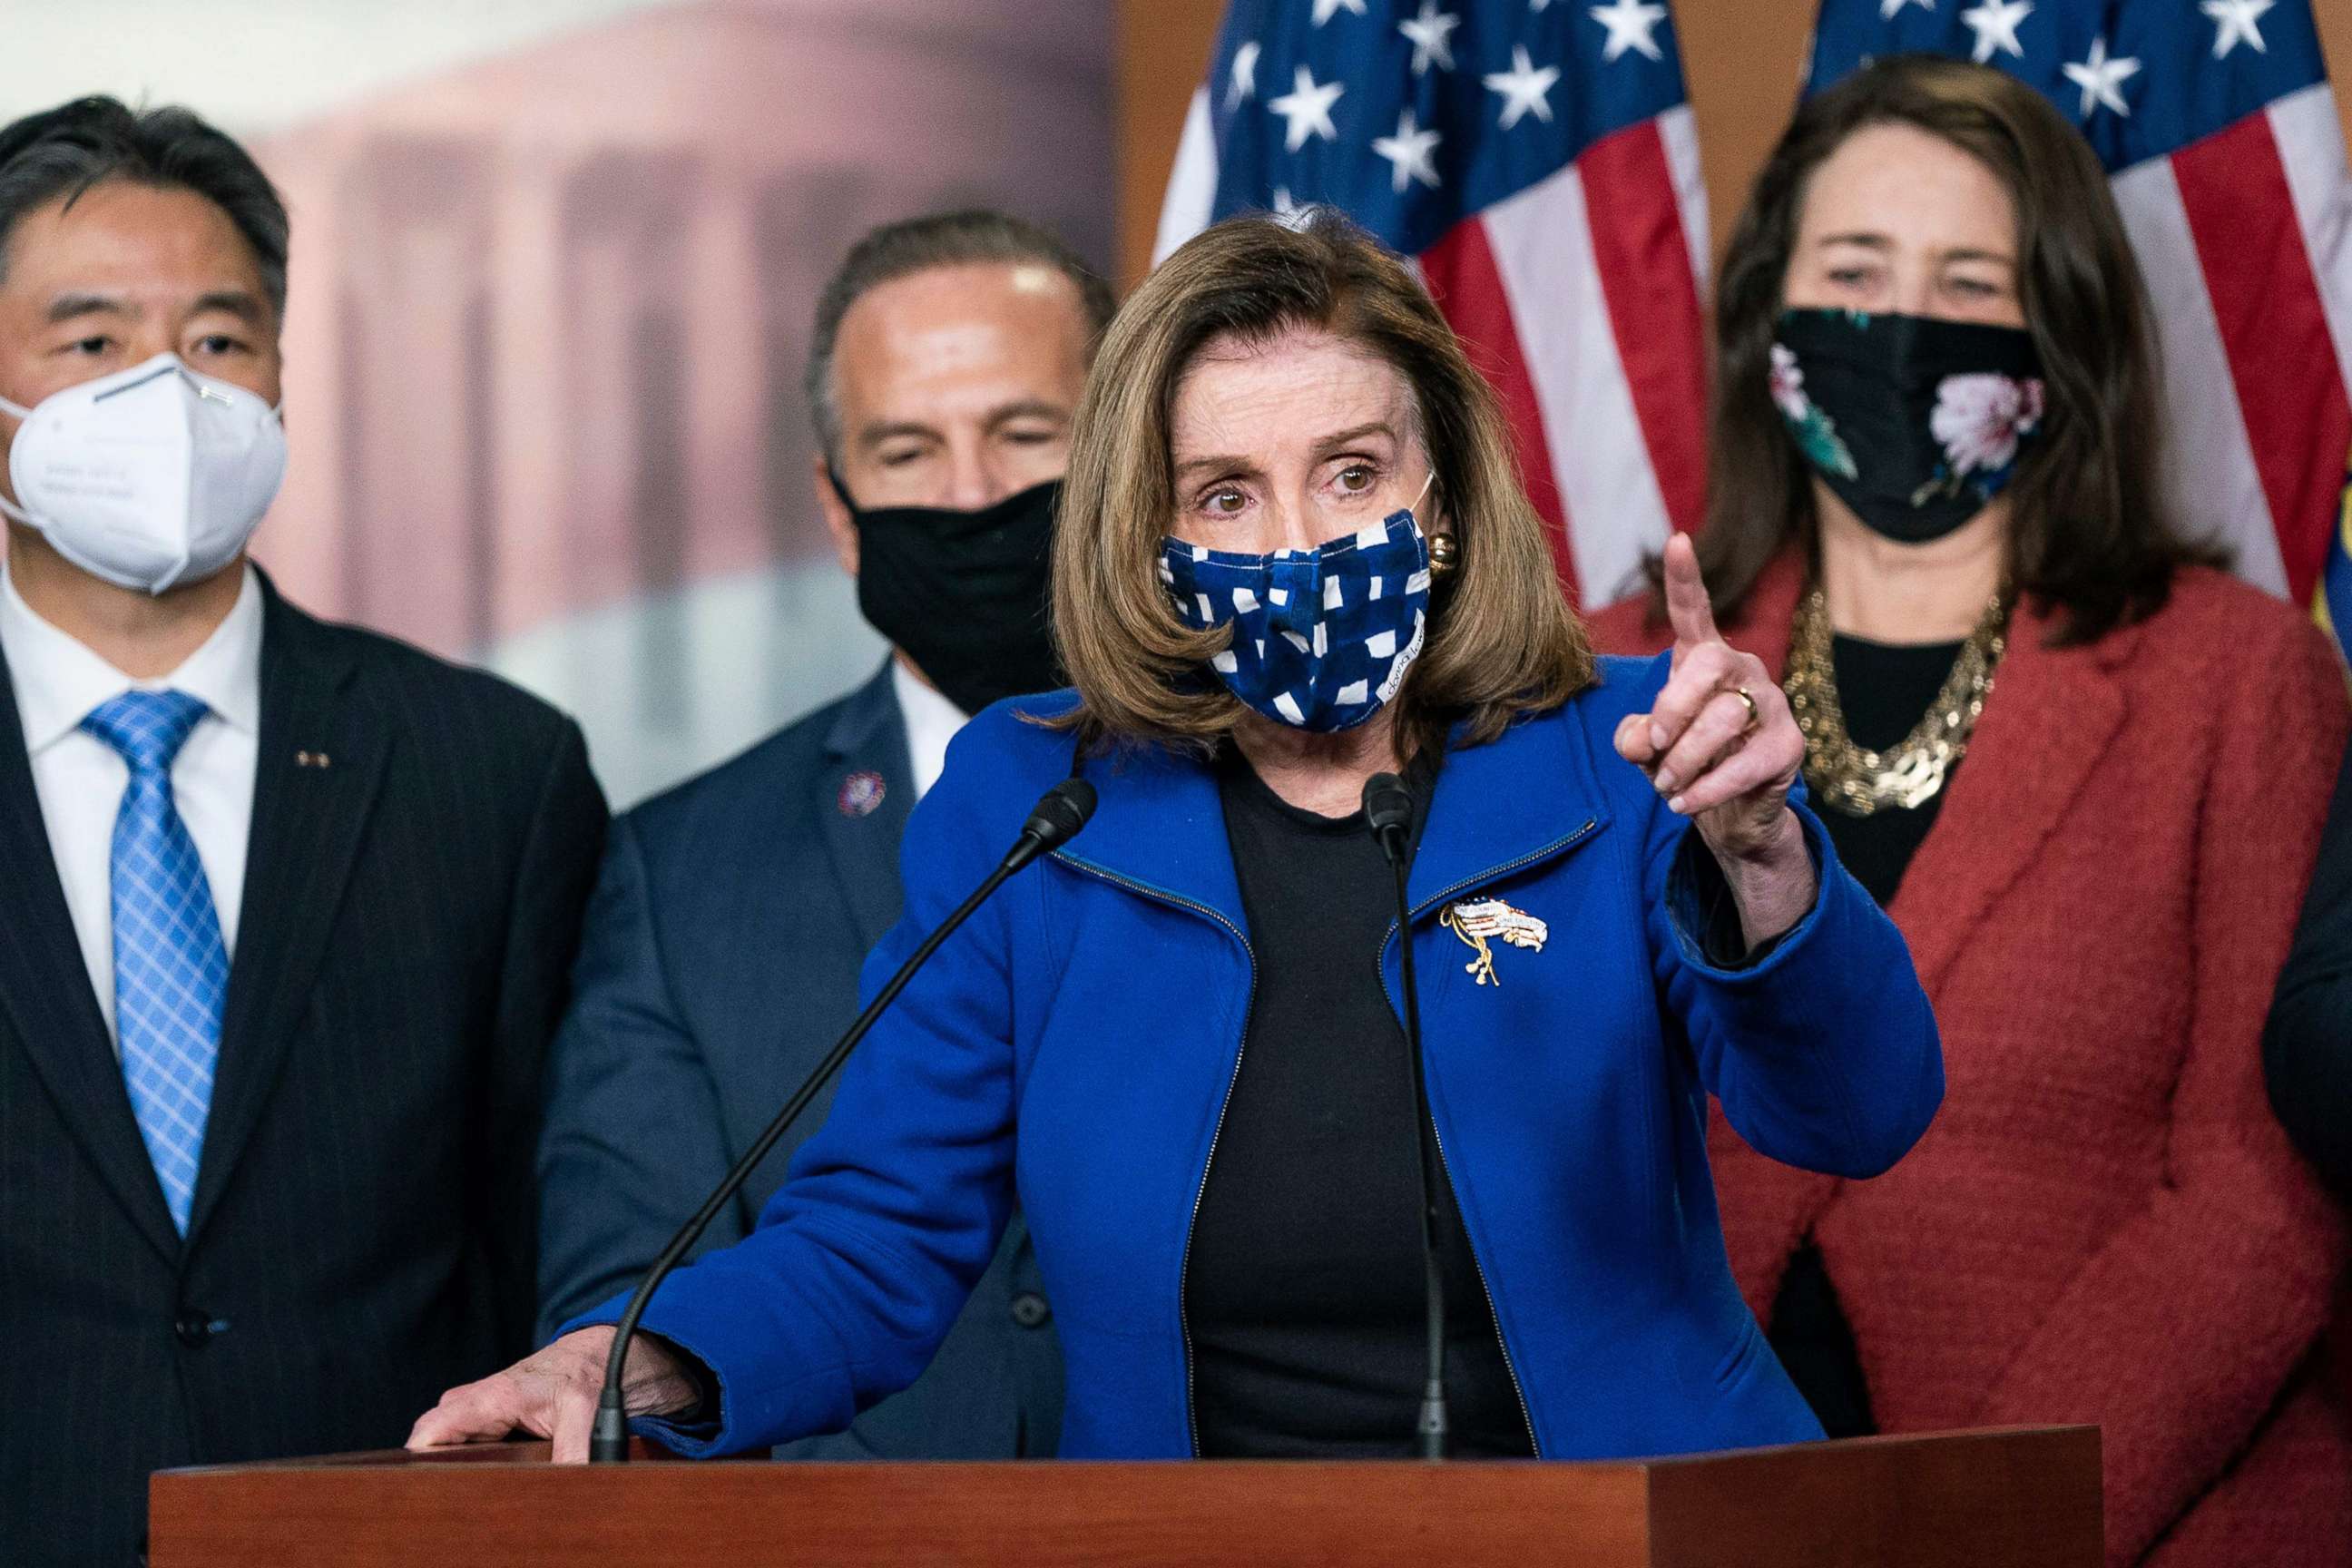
892,1210
1824,1052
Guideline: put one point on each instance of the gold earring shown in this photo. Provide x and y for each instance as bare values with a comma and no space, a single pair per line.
1444,555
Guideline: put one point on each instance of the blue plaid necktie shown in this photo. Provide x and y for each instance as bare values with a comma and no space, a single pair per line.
171,967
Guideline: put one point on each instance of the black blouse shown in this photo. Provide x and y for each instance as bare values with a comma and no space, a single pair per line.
1303,1292
1884,689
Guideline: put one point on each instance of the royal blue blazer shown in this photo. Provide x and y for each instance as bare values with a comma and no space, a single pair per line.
1074,1043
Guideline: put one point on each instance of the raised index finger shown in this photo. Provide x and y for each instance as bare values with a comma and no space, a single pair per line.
1687,609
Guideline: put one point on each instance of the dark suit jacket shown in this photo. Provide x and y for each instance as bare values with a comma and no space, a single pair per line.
362,1234
719,962
2307,1049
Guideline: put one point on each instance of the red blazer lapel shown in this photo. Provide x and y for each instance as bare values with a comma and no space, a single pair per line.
2050,717
1765,621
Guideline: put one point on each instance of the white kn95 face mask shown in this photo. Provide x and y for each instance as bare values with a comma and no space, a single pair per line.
149,477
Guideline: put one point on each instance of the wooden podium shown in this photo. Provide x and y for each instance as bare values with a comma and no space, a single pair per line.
2021,1498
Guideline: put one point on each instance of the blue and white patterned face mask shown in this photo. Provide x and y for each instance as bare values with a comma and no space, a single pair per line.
1322,638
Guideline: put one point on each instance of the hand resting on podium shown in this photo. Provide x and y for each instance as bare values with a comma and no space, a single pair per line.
552,1395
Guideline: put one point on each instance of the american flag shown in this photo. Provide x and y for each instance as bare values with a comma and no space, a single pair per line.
2217,126
1537,159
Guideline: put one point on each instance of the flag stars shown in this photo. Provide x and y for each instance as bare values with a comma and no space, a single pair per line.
1327,9
2102,80
1430,36
1525,90
1995,25
1305,109
1889,9
2236,22
1631,24
1408,153
1242,85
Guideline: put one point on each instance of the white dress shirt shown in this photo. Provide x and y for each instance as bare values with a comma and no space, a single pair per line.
79,779
931,722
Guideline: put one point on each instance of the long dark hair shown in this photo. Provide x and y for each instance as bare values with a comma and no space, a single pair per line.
2088,534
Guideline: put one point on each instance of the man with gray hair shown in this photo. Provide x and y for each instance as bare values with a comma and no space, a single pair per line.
725,936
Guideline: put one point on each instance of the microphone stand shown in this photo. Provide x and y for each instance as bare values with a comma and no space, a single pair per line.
1387,809
1056,819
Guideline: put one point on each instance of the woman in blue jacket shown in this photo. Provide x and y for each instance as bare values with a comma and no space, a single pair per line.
1294,553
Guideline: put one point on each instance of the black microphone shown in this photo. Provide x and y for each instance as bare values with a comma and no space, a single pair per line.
1387,809
1056,820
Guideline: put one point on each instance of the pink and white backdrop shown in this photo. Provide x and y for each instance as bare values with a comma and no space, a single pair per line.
553,263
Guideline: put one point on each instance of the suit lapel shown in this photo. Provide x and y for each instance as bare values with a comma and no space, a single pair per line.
321,761
866,748
2050,717
44,991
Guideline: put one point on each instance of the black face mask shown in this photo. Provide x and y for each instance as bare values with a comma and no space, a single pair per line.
964,593
1914,423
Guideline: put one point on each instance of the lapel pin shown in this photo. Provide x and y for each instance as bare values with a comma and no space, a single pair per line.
861,794
1490,920
310,759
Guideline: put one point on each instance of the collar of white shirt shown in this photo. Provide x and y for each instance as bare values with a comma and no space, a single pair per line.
57,680
931,722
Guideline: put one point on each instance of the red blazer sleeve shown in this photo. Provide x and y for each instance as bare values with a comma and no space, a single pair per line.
2178,1335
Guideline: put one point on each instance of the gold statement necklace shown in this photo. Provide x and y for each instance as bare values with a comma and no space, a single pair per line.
1856,779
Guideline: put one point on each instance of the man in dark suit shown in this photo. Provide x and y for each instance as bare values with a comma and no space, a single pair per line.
289,905
724,939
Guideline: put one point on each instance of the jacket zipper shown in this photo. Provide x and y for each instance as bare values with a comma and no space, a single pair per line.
1184,1263
1502,1339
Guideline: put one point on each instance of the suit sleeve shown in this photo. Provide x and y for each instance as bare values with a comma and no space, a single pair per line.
559,858
2177,1334
633,1138
2307,1048
891,1211
1822,1048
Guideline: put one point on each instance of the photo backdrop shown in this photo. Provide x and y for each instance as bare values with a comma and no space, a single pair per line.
554,264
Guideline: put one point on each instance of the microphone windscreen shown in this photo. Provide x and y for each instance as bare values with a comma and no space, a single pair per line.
1060,813
1388,804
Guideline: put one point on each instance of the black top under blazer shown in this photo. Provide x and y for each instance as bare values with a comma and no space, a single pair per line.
362,1230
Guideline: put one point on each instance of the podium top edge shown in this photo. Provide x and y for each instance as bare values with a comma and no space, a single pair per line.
478,1454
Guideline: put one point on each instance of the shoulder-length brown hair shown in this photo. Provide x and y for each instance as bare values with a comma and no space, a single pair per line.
2088,534
1501,640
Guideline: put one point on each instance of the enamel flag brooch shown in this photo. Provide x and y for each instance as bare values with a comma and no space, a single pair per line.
1491,920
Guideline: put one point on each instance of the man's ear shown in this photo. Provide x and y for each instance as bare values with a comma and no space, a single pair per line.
837,521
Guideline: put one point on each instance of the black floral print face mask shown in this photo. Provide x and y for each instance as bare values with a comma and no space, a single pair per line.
1914,423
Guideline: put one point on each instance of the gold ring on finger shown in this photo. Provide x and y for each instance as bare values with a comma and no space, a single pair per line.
1743,694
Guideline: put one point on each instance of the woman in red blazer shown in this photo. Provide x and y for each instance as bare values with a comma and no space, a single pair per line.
2086,771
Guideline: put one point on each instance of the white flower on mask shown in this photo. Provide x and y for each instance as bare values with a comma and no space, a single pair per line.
1978,419
1816,435
1789,384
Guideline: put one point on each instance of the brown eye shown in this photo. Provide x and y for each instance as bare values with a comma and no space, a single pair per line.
1356,479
